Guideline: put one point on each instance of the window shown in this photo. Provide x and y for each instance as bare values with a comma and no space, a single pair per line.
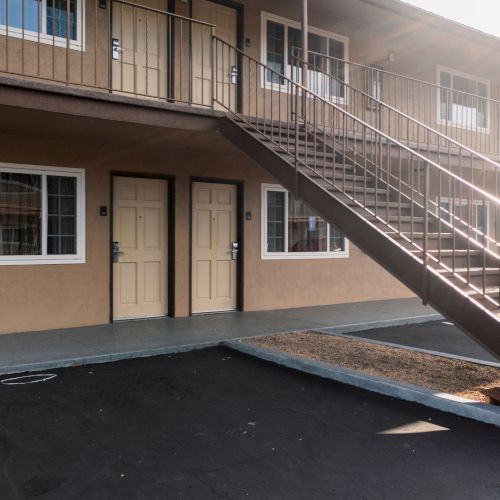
374,84
41,215
463,100
282,40
44,20
291,229
460,209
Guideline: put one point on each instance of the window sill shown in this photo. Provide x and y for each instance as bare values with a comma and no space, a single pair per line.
20,261
448,123
32,36
306,256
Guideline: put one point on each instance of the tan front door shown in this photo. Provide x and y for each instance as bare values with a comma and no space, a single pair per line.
214,229
140,248
139,58
224,19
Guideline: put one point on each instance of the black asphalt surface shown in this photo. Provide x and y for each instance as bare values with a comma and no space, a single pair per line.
214,424
440,336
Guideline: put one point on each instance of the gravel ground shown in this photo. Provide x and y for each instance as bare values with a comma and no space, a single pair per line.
434,372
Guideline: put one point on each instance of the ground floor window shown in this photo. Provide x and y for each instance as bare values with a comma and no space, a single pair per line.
291,229
47,21
461,210
41,215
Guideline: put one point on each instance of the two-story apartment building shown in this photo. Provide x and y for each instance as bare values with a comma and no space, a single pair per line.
124,193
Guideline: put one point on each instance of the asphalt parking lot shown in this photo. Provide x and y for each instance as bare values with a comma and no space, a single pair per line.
439,336
214,424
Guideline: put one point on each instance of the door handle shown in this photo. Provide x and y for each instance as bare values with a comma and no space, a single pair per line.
233,76
116,252
116,50
234,250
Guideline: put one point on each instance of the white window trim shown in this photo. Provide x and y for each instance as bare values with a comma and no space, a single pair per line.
462,202
43,37
79,257
451,123
266,16
265,255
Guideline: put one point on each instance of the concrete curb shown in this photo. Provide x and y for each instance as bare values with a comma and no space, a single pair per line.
440,401
476,361
157,351
373,325
95,359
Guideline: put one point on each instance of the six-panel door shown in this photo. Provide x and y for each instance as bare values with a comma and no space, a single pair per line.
140,239
214,229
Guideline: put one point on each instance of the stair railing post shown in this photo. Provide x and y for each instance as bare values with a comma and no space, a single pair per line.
214,84
296,141
425,267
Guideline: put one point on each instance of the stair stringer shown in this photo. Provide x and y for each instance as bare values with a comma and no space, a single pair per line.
451,302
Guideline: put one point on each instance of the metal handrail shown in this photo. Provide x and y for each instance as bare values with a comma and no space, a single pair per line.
80,57
470,119
388,138
418,123
301,111
390,73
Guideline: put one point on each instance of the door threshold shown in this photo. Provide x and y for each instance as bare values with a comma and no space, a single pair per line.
205,313
140,318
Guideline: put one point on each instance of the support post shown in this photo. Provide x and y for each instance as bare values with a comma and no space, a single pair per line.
305,49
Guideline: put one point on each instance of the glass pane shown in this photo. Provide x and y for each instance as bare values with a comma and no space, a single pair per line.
275,51
294,53
20,214
307,231
337,68
337,240
275,221
32,14
57,18
61,224
480,210
445,79
464,85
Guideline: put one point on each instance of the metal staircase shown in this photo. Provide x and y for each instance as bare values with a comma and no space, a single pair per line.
431,217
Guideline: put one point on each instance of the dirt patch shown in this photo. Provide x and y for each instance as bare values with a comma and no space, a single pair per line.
434,372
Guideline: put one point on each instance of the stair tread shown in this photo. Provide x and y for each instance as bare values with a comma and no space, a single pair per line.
472,270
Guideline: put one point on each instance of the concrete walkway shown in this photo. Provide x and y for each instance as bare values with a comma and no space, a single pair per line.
97,344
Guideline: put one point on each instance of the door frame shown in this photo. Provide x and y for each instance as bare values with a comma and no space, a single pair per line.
240,220
240,28
170,235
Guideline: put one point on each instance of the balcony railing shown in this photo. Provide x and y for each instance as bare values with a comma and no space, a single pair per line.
150,53
470,119
133,50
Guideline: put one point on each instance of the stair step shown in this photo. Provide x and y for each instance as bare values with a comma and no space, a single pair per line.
309,158
383,204
397,218
473,271
418,235
492,291
339,176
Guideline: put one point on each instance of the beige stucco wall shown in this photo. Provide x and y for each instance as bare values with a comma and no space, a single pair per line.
53,296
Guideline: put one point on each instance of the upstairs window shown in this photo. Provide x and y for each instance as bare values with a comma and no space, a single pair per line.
281,44
41,215
463,100
44,20
293,230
